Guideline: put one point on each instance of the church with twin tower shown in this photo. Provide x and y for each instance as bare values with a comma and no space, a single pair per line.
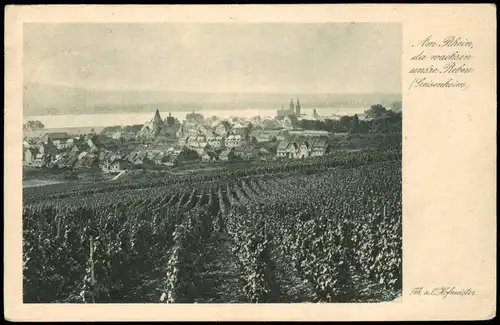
292,111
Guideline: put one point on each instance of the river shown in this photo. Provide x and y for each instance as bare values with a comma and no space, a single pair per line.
111,119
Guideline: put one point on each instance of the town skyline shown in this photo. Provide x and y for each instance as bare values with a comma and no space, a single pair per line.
42,100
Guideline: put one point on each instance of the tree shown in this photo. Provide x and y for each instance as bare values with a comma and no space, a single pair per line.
354,124
33,125
375,111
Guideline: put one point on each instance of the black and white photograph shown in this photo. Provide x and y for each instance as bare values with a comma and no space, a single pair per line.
195,163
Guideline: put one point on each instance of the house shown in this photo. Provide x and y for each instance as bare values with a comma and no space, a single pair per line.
74,141
81,155
60,162
209,156
143,161
222,128
78,164
217,142
29,155
117,135
92,163
59,139
69,143
227,154
319,147
195,141
105,160
171,161
262,138
186,154
158,148
48,148
42,160
122,135
234,140
132,156
282,135
158,158
105,155
174,150
151,155
119,165
293,149
192,132
309,133
298,149
111,145
67,162
202,148
89,161
246,152
287,122
46,153
303,150
78,148
94,141
184,141
206,130
264,154
91,143
282,150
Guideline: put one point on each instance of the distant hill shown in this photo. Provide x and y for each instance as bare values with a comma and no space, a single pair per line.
42,99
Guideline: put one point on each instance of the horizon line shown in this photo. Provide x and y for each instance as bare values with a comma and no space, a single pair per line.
202,91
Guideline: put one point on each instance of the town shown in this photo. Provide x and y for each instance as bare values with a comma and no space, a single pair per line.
166,143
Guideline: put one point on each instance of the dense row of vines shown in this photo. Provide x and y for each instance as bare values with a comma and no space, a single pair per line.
300,231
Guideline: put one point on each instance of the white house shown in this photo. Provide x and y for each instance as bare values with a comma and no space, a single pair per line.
217,142
234,140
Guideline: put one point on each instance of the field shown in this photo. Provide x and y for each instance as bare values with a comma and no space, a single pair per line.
325,229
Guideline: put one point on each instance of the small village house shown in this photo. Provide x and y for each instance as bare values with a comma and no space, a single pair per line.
29,155
59,139
234,140
247,152
319,147
227,155
264,154
119,166
172,161
209,156
282,150
223,128
217,142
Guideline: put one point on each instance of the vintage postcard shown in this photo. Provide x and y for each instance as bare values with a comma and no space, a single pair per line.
284,162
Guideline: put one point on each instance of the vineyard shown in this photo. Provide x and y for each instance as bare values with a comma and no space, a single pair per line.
325,229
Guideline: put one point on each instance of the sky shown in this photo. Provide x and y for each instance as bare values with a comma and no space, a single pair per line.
277,58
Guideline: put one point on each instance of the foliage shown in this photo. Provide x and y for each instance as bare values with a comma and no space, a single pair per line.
33,125
330,224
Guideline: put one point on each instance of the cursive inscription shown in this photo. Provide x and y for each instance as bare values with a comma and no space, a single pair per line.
444,63
450,41
443,292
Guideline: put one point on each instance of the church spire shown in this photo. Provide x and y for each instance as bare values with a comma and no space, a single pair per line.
157,119
291,104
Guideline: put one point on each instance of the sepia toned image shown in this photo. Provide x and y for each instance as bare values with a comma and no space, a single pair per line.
250,163
212,163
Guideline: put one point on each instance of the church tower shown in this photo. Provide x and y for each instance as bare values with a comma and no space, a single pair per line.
291,105
297,108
